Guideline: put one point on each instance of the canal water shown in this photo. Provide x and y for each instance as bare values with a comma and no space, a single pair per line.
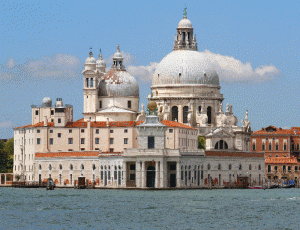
135,209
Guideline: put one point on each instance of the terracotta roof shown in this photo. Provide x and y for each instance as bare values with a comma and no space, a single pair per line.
233,154
69,154
281,160
264,131
99,124
40,124
176,124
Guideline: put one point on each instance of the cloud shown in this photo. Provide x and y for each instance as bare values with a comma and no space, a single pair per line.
61,65
6,124
10,64
143,73
230,69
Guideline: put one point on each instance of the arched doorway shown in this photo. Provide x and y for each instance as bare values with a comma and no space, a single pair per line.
185,114
174,113
209,115
150,176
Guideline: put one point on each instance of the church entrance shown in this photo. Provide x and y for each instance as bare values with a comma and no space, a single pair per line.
172,180
150,177
171,166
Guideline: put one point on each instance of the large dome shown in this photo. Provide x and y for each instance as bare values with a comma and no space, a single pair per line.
118,83
185,67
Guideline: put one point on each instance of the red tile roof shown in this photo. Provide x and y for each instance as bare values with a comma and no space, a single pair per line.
233,154
99,124
281,160
264,131
68,154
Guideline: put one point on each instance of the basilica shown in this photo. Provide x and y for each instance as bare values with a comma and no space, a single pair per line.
116,145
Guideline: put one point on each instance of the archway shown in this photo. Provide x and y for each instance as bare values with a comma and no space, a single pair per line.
174,113
185,114
221,145
150,176
209,115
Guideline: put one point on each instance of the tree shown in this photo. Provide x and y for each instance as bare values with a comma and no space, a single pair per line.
201,142
7,156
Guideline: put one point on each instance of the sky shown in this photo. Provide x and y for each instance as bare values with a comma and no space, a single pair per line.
254,46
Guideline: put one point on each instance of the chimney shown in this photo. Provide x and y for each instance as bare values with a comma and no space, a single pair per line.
107,122
45,121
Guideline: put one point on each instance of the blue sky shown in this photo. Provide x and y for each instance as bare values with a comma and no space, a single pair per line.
255,45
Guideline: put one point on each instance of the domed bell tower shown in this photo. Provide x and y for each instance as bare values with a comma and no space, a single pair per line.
94,70
185,38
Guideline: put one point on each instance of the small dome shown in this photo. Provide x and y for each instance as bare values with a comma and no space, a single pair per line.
100,62
118,54
47,102
118,83
185,23
90,59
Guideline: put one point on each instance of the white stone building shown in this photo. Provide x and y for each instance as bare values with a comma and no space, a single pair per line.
115,145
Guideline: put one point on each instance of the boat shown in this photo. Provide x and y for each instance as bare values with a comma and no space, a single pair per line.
256,187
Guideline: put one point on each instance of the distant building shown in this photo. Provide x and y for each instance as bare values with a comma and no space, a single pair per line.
115,145
282,148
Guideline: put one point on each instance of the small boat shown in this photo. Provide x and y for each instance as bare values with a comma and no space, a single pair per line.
256,187
50,184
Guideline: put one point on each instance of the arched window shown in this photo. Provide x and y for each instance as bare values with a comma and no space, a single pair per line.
93,166
208,167
174,113
40,167
71,166
284,168
60,166
229,167
82,166
250,167
240,167
209,115
199,109
219,166
221,145
259,167
185,114
50,167
269,168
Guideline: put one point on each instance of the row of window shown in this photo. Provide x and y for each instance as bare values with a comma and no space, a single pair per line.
276,146
219,167
128,104
82,141
289,168
71,167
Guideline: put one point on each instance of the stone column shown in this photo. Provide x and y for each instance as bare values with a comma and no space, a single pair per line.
178,175
143,175
162,174
156,184
124,171
138,174
180,113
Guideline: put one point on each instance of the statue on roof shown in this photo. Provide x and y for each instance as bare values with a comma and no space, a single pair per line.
184,12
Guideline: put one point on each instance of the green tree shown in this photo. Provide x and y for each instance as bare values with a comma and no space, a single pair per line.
201,142
7,156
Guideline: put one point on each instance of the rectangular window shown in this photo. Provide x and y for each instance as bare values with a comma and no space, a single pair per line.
96,141
51,130
263,147
59,135
277,146
132,176
82,131
70,130
59,120
125,141
52,112
38,141
150,142
111,150
36,112
38,131
129,104
115,174
51,141
111,131
111,141
100,104
70,141
97,131
270,146
253,147
82,140
170,130
284,146
125,130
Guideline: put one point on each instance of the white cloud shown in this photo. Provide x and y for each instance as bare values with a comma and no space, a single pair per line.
143,73
61,65
10,64
233,70
6,124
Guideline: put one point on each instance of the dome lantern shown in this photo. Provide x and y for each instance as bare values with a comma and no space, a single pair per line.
90,62
118,60
100,64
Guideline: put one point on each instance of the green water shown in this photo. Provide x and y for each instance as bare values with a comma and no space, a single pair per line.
133,209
